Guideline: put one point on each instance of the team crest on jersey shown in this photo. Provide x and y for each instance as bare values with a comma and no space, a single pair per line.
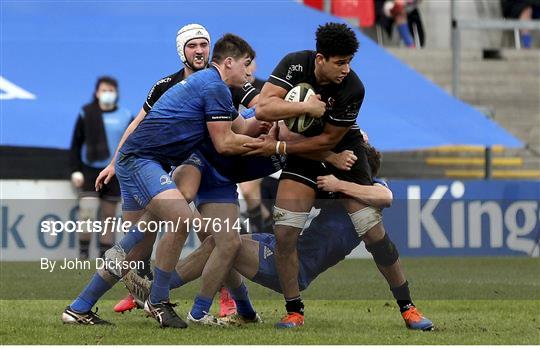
165,179
267,252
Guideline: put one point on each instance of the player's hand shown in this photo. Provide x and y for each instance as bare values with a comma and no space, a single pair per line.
105,176
315,107
328,183
77,179
255,127
343,161
266,146
264,126
287,135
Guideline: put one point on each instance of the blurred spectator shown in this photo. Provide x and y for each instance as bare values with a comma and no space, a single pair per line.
99,127
405,15
524,10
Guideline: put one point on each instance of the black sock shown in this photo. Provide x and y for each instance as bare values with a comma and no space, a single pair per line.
83,249
294,305
403,296
255,218
103,248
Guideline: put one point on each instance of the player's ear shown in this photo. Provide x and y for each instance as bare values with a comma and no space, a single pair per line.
319,58
228,62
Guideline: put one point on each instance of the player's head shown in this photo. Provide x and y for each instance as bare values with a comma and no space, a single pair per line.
106,91
193,46
373,157
234,56
336,46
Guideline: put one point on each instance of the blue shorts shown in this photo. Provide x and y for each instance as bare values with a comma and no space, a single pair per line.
267,275
214,188
140,180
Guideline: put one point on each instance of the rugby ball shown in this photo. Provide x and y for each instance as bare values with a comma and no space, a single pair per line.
300,93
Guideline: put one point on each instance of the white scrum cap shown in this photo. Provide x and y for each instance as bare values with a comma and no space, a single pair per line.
187,33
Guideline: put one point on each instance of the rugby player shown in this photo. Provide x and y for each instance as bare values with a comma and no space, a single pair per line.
165,137
340,94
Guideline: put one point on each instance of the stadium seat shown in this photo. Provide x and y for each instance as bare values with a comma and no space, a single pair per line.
316,4
361,12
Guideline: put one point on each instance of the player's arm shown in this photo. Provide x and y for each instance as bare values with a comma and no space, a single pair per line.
272,107
311,146
376,195
225,140
220,116
248,125
254,101
342,116
343,161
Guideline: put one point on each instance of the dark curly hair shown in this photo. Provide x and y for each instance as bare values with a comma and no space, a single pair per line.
373,157
336,39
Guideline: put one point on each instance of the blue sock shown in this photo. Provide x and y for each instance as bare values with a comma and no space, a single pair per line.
526,40
176,280
90,295
160,286
403,30
243,304
132,238
201,306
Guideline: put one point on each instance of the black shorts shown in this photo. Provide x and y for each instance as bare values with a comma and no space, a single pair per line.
109,192
306,171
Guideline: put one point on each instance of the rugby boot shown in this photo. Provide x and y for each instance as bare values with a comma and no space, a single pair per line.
126,304
207,320
415,320
164,314
138,287
70,316
227,306
238,320
291,320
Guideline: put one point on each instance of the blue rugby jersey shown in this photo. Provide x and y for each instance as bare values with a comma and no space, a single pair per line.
176,124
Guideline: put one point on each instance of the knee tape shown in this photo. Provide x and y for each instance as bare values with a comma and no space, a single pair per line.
365,219
289,218
88,207
384,252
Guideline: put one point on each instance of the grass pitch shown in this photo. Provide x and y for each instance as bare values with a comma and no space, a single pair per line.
470,300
